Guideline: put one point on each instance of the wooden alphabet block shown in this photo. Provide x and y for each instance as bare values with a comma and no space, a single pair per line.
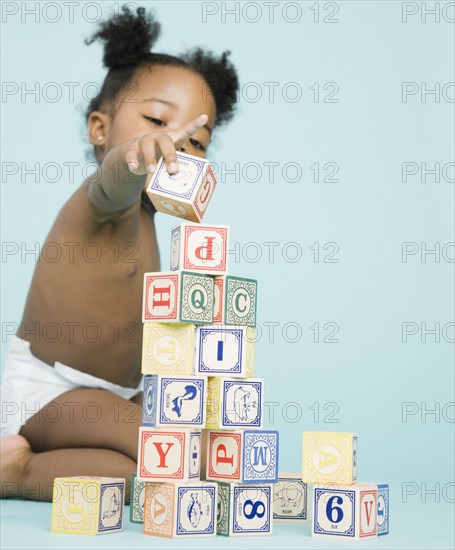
200,248
185,194
178,297
345,511
87,505
168,455
383,506
137,494
329,457
247,456
222,350
290,498
235,301
174,401
167,348
180,509
234,403
244,509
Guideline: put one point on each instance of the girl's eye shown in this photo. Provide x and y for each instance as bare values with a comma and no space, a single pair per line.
197,144
156,121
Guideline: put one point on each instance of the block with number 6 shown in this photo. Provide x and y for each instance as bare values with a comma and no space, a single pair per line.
201,248
178,297
244,509
345,511
185,194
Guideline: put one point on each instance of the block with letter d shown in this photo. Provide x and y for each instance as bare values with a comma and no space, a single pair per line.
235,301
244,509
185,194
200,248
329,457
178,297
167,348
88,505
247,456
234,403
174,401
345,511
166,454
222,350
180,509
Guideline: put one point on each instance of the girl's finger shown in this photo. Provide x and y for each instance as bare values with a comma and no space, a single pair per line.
131,156
180,136
167,148
147,145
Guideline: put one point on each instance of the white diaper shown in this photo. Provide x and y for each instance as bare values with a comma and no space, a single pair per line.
29,384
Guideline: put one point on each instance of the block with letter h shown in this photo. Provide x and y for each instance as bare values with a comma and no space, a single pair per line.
174,401
88,505
290,498
200,248
178,297
345,511
235,301
234,403
185,194
222,350
244,509
246,456
166,454
329,457
180,509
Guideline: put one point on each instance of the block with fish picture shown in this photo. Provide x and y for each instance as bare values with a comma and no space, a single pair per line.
174,401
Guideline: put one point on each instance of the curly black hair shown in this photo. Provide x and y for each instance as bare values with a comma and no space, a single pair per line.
129,39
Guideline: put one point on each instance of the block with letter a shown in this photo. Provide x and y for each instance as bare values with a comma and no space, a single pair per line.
178,297
201,248
345,511
185,194
165,454
329,457
247,456
180,509
244,509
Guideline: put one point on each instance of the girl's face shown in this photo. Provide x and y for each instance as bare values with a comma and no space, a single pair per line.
161,98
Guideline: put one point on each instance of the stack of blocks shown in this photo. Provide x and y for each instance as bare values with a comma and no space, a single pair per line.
342,507
197,361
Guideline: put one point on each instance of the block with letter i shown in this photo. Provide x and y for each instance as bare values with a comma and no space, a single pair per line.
178,297
244,509
329,457
222,350
174,401
180,509
166,454
137,494
88,505
200,248
345,511
167,348
235,301
246,456
234,403
290,498
185,194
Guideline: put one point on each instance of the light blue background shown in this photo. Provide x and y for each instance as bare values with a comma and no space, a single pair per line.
370,373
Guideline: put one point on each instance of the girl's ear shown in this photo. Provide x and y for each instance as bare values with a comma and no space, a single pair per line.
98,128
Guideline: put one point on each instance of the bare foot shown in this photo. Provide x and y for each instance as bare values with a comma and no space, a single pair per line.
15,454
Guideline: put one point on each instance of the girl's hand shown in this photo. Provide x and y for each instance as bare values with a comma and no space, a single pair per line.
142,153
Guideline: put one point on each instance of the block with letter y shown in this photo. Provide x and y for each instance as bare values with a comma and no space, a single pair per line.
166,454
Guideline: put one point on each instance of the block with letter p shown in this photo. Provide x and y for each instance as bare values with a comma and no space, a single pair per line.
329,457
201,248
249,456
235,300
185,194
178,297
166,454
345,511
234,403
